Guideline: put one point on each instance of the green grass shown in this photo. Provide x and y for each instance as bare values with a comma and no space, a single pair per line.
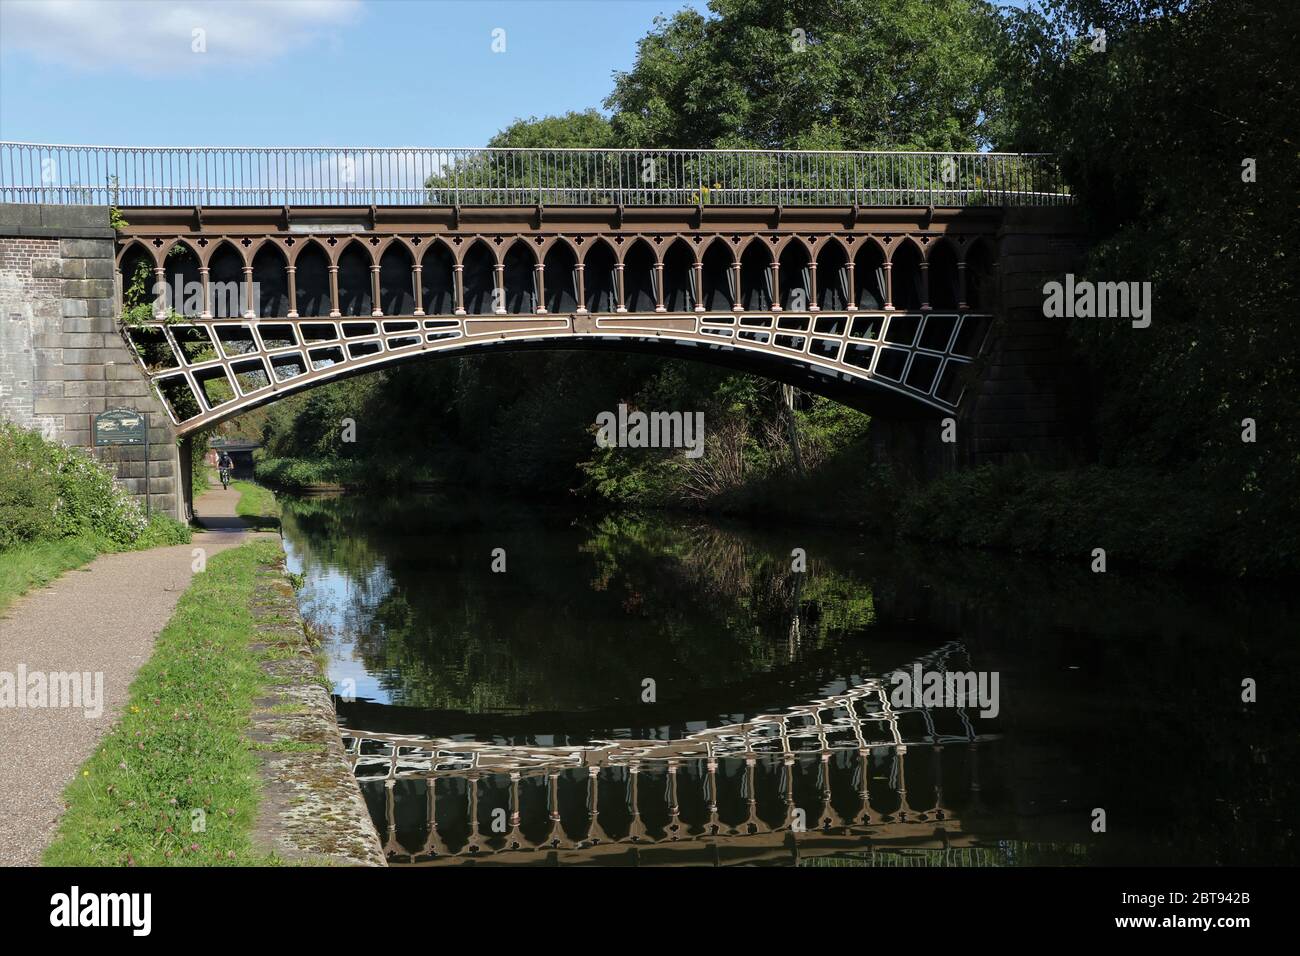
257,505
37,563
201,476
180,746
303,474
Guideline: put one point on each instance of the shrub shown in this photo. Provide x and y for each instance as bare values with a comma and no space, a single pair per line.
49,491
29,491
292,473
161,531
1136,515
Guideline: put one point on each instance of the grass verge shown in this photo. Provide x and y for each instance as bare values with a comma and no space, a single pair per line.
37,563
175,782
257,505
305,474
34,564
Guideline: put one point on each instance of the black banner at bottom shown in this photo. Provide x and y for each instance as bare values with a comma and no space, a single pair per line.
301,904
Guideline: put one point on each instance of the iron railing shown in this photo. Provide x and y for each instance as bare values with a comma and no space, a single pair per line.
276,176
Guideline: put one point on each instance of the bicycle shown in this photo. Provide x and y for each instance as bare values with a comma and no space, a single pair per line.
225,479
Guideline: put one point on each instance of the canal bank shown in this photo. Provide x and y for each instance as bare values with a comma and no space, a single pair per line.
226,750
311,809
89,629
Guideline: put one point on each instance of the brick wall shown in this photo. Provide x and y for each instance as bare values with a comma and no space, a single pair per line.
62,357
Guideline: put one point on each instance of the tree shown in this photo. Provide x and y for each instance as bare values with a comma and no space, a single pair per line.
815,74
1178,134
585,130
515,177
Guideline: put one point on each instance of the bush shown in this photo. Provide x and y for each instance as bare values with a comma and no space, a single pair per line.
294,473
29,491
49,491
161,531
1136,515
298,474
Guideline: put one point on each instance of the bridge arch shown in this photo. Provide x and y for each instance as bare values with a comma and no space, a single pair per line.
298,247
680,293
640,272
225,264
478,278
437,279
794,276
133,247
335,355
942,259
869,276
182,272
905,278
396,279
560,277
717,277
811,306
832,276
223,247
519,278
354,280
270,279
598,278
756,261
312,269
129,260
257,245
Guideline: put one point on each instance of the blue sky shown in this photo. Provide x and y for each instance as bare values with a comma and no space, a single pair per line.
305,72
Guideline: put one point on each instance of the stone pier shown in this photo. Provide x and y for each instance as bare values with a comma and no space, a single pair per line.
62,357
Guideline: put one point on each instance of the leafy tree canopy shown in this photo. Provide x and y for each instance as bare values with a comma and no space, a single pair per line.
813,74
585,130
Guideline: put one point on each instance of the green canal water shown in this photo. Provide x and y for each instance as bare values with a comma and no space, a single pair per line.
665,689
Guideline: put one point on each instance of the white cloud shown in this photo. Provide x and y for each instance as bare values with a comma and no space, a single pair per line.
147,36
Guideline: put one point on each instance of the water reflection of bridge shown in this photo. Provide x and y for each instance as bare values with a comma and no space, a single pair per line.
845,771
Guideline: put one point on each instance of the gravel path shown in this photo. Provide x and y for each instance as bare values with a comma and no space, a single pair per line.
102,618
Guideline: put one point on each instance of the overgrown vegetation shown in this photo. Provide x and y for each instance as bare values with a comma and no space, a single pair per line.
139,304
1156,133
59,508
1066,514
175,781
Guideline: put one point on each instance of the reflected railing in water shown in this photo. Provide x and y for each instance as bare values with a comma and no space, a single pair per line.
829,775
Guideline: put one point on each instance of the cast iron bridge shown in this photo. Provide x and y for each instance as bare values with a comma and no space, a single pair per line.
248,274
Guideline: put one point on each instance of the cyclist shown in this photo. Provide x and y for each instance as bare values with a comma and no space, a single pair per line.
225,463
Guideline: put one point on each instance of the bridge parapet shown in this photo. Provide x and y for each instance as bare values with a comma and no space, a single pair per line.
420,176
